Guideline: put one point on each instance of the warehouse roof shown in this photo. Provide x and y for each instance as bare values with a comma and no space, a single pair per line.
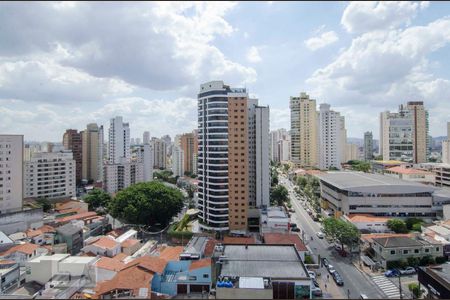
274,261
347,180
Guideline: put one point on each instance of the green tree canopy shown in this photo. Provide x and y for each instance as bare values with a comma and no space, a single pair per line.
278,195
410,222
397,225
97,198
147,203
340,231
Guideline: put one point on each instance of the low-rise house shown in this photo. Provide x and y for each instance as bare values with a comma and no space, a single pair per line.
72,236
261,272
287,239
9,275
195,248
42,235
411,174
130,246
184,277
18,237
389,249
106,268
367,222
81,216
103,245
21,253
71,207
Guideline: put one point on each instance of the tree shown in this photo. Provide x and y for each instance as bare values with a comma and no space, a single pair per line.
414,288
410,222
278,195
397,225
44,204
147,203
340,231
302,181
97,198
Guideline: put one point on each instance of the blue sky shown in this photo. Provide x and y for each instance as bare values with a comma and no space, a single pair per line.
63,65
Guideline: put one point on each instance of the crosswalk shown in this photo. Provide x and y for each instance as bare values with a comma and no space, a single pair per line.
388,287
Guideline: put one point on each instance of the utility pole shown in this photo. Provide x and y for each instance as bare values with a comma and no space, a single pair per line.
400,286
348,293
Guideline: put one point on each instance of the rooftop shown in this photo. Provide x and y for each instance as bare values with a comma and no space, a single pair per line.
239,240
171,253
442,272
357,218
76,217
262,261
109,264
41,230
68,229
198,264
26,248
349,180
105,242
401,241
403,170
129,243
285,239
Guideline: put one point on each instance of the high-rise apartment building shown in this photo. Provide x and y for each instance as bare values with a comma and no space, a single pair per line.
121,175
404,135
188,145
72,141
11,172
159,153
368,146
119,141
304,134
93,140
50,175
330,138
351,152
284,149
446,147
146,137
343,140
145,157
178,164
280,142
229,136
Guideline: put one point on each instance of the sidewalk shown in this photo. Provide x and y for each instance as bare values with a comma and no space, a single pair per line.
332,291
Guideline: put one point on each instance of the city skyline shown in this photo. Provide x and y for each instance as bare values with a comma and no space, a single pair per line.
342,62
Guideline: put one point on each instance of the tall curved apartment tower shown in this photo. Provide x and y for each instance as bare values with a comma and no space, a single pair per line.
231,130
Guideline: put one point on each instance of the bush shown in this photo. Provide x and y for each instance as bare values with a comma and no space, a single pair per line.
413,261
397,225
173,233
427,260
417,227
441,260
410,222
308,259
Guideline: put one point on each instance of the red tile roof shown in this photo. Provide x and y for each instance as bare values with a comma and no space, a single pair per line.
198,264
239,240
76,217
105,242
129,243
41,230
366,218
171,253
120,257
109,264
26,248
402,170
209,247
284,239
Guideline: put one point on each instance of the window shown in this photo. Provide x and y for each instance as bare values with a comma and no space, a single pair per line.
416,250
405,251
427,250
205,275
392,252
437,249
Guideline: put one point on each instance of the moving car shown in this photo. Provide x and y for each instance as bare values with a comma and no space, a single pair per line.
392,273
295,229
320,235
363,296
316,292
325,262
338,279
408,271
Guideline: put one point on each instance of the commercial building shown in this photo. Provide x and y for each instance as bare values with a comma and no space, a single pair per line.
72,141
436,280
50,175
122,175
178,161
368,146
231,131
304,131
441,171
368,223
92,140
11,173
364,193
159,147
119,141
261,272
331,137
411,174
404,135
274,219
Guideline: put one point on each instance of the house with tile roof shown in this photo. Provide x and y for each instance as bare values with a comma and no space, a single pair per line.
42,235
367,222
286,239
130,246
103,246
105,268
22,253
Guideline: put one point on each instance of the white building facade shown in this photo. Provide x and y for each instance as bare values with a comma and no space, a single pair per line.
177,161
119,141
330,138
11,172
50,175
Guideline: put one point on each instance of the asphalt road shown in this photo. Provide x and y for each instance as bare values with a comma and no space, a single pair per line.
355,282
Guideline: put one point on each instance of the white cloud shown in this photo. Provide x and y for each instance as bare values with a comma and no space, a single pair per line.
365,16
325,39
253,55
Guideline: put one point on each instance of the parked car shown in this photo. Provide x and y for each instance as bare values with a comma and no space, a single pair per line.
293,225
331,269
316,292
392,273
291,210
408,271
338,279
320,235
325,262
363,296
338,247
316,284
295,229
312,274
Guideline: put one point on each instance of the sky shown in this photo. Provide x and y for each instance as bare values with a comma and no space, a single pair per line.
66,64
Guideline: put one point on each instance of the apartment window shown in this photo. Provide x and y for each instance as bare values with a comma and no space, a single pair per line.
427,250
392,252
437,249
416,250
405,251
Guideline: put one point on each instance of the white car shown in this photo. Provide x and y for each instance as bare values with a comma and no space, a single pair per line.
312,274
320,235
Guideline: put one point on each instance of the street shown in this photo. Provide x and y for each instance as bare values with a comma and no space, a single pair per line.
355,282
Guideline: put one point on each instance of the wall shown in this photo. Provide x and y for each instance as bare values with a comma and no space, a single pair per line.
20,221
233,293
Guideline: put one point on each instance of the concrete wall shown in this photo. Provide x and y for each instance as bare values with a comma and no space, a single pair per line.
21,221
236,293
